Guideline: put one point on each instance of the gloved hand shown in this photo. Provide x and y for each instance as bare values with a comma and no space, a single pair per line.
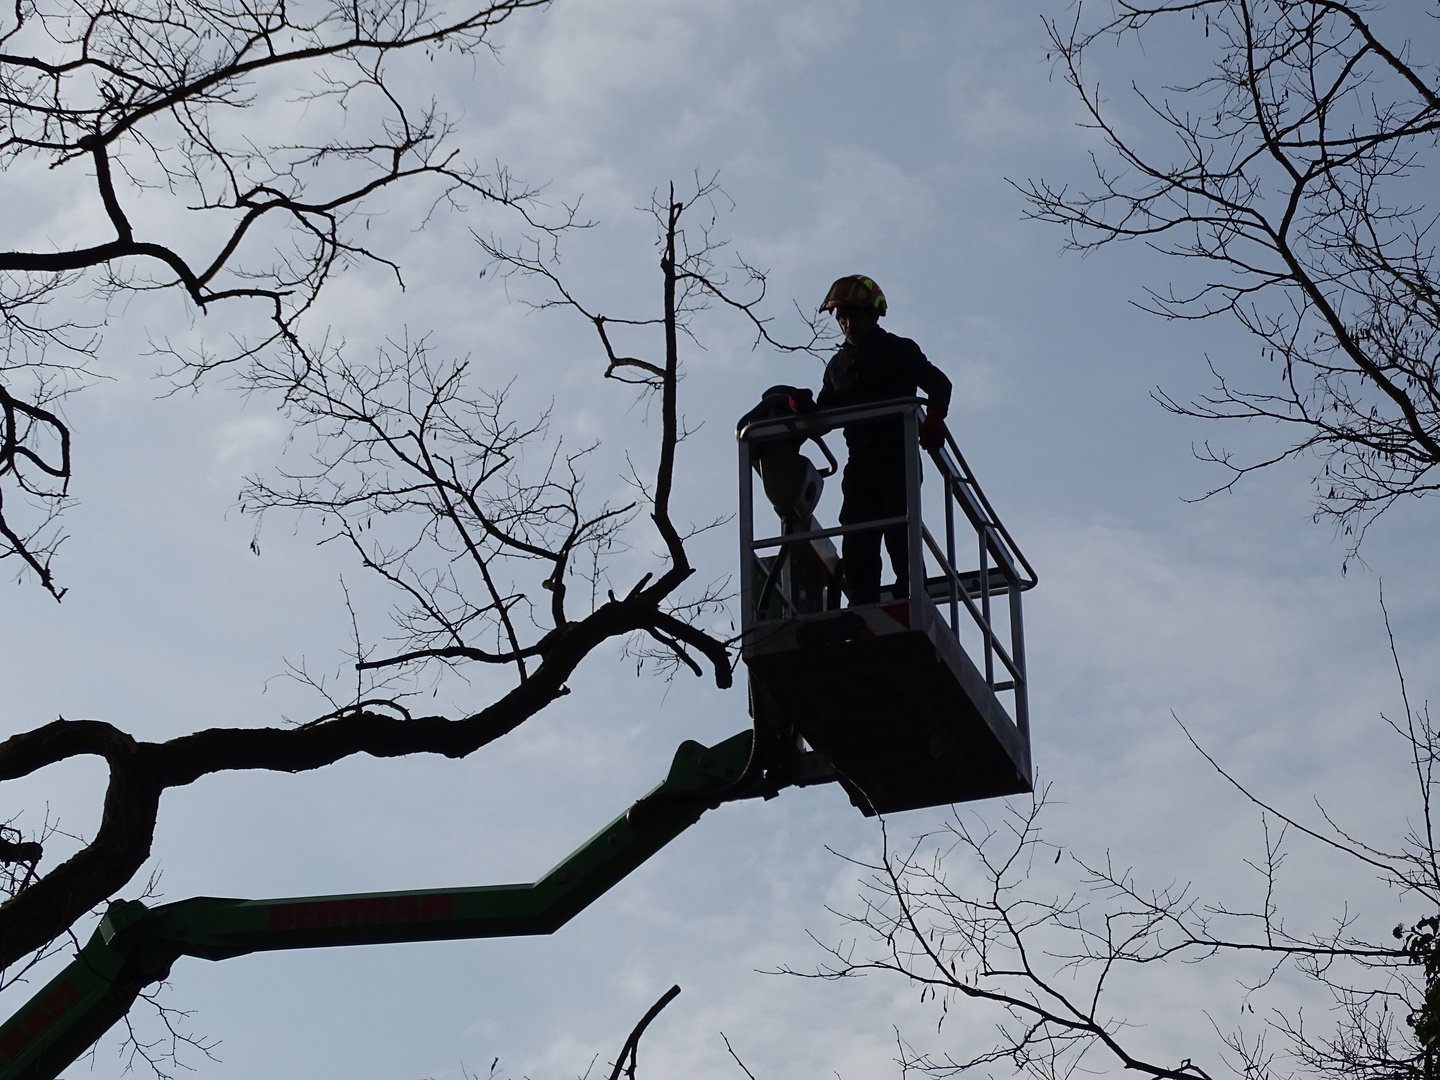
932,429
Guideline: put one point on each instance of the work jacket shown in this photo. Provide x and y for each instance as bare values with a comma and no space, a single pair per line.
881,368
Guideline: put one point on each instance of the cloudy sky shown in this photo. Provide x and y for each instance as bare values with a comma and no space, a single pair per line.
848,137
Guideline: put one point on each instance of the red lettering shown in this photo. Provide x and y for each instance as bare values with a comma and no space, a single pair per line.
37,1020
282,916
13,1041
407,909
62,998
359,911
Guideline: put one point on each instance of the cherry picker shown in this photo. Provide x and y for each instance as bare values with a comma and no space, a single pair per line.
883,699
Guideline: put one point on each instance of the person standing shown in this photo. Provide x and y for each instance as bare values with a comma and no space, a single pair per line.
871,366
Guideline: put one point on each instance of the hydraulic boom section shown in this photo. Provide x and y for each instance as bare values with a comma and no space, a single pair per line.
135,945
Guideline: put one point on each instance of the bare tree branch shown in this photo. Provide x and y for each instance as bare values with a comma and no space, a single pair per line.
148,94
1292,185
632,1042
425,479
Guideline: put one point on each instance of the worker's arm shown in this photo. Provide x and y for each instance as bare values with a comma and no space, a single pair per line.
826,398
937,389
934,382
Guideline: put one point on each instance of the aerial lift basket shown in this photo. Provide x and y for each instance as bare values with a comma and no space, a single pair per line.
886,692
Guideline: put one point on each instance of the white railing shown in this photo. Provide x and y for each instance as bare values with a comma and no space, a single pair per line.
1002,571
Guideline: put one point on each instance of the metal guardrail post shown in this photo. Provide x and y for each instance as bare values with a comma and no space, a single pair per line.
915,539
954,582
986,628
747,538
995,547
1017,654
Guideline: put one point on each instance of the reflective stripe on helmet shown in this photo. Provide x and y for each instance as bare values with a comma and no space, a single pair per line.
854,290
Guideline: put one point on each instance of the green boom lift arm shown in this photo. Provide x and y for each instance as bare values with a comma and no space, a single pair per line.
135,945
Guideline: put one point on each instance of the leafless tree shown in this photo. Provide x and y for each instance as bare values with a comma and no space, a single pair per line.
1286,170
625,1062
1281,157
1045,954
1290,168
628,1058
146,105
421,473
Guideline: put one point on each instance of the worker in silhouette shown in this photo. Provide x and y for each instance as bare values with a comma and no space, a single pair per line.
872,366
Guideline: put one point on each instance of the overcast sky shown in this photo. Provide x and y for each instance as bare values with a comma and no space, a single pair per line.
849,137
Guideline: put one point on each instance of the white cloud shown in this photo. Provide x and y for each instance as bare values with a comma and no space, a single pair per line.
248,442
1231,614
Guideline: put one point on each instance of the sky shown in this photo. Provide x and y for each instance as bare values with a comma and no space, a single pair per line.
847,137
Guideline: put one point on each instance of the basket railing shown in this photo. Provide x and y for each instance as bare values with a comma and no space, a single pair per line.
974,598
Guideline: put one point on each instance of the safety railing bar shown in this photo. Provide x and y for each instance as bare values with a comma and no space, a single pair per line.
975,614
777,592
954,590
818,534
1011,576
1002,555
776,566
962,494
997,587
961,477
1002,551
990,510
949,465
915,524
823,421
951,573
1017,639
983,518
961,486
985,608
963,596
972,497
747,530
1010,666
946,566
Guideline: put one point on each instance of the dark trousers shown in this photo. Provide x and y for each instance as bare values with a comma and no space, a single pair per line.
874,488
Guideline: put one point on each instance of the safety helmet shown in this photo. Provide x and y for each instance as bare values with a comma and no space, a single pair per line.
854,290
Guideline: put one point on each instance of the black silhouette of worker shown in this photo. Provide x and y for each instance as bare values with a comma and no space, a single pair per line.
872,366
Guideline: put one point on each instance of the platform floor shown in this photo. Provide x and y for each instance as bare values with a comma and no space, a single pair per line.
903,714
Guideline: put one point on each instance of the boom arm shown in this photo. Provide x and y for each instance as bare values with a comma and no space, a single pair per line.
135,945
